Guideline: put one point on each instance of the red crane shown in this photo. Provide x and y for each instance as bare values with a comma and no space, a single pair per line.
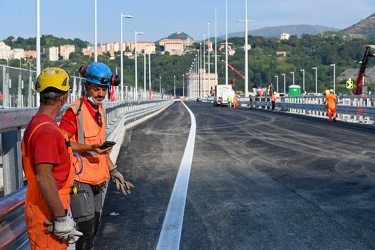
232,68
369,52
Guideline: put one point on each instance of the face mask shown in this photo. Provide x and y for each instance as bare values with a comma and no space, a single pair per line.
93,101
62,108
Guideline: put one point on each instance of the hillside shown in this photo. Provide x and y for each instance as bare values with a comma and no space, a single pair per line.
363,29
276,31
188,40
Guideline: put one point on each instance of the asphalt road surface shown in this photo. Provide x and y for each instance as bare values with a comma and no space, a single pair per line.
258,180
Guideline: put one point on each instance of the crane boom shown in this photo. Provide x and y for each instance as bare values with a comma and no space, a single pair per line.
234,69
369,52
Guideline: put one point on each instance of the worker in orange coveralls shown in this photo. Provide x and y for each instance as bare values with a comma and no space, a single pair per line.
235,101
46,160
273,101
330,103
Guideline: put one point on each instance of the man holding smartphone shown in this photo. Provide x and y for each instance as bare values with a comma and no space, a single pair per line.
84,122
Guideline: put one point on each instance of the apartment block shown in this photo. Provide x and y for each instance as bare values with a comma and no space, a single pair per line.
65,51
5,51
17,54
90,50
29,54
284,36
52,53
173,46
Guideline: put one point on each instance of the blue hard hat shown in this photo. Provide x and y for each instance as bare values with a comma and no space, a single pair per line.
97,73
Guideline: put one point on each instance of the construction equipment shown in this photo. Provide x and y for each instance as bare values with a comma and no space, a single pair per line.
369,52
234,69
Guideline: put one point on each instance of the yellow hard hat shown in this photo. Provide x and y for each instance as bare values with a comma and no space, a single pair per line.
331,90
54,77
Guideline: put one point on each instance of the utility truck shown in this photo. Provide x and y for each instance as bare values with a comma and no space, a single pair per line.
222,92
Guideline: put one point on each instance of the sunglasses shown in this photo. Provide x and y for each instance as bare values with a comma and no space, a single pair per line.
98,118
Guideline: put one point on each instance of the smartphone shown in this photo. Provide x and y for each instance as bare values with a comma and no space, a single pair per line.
107,144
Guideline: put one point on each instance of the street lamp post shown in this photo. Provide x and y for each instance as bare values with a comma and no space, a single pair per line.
246,50
135,62
226,42
199,61
149,76
208,60
316,79
334,77
216,78
122,58
95,31
160,84
303,79
144,72
204,65
174,86
293,77
284,82
277,83
183,84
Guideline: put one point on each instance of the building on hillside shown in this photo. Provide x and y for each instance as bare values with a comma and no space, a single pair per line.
29,54
5,51
149,48
248,47
209,45
231,51
173,46
90,50
108,47
284,36
52,53
280,53
17,54
65,51
141,47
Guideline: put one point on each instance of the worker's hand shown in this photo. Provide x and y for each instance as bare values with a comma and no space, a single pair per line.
96,149
64,228
118,179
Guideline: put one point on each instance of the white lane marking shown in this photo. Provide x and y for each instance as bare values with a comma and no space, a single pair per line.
170,234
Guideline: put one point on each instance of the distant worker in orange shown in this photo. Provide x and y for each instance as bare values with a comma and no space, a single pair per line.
235,101
273,101
330,103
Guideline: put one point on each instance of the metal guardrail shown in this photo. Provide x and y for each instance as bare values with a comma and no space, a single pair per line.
12,225
351,108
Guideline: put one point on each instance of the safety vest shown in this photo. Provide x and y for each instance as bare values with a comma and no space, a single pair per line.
94,169
273,98
36,209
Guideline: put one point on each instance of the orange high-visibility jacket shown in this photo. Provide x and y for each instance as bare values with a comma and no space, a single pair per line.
331,100
273,98
94,170
36,209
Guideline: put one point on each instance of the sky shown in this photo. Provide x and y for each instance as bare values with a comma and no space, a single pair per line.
158,19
